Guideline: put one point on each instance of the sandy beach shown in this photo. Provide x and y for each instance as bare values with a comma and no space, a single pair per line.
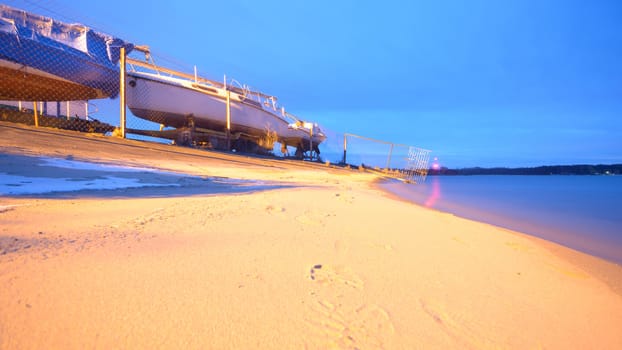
301,256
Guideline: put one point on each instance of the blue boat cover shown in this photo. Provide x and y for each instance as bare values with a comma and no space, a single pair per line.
73,52
101,47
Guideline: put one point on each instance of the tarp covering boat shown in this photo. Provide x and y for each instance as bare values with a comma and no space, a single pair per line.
47,60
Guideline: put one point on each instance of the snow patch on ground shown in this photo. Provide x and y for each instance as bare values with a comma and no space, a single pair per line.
19,185
79,176
79,165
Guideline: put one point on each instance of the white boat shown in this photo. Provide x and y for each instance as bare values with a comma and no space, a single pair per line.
172,101
42,59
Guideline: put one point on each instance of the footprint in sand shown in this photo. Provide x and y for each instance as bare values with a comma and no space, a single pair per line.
312,218
156,215
453,325
457,239
351,327
345,197
275,209
342,324
335,275
385,246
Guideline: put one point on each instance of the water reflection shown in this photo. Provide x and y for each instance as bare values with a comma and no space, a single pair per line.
435,193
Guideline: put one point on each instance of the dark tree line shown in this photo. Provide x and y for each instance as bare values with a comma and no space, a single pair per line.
579,169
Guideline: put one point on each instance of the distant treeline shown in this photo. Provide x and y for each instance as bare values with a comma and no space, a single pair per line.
581,169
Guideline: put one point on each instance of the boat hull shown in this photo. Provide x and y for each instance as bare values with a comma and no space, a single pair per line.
45,60
29,84
170,102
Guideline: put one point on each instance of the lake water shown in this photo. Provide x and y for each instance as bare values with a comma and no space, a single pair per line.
580,212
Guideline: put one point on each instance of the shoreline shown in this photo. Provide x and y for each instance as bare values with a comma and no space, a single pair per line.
329,261
545,218
607,271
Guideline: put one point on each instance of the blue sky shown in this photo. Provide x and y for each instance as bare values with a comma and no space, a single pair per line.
481,83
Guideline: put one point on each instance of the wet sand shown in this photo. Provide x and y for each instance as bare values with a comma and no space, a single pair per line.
320,260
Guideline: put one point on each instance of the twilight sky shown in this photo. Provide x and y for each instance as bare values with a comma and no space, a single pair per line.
480,83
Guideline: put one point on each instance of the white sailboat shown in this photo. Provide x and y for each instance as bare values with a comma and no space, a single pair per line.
173,100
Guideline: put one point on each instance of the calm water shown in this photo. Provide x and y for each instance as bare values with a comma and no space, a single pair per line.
581,212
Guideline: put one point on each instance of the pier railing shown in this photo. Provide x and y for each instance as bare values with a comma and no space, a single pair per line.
393,159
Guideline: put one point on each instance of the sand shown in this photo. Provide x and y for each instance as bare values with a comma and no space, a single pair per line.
324,260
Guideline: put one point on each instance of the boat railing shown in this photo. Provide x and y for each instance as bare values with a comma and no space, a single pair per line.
241,89
246,91
266,101
292,118
159,69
